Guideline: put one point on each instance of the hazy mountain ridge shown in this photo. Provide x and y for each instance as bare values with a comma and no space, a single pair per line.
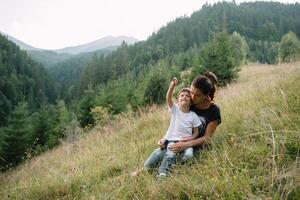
49,58
21,44
102,43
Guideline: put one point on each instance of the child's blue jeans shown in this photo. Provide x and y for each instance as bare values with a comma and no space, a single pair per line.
166,157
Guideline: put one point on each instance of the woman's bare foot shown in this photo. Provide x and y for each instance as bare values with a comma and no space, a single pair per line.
136,172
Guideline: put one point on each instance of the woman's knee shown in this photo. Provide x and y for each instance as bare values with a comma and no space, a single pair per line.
188,154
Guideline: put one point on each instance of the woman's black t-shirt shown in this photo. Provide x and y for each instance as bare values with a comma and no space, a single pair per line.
207,115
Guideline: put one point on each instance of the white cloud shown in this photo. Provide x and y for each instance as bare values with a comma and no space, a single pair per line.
15,26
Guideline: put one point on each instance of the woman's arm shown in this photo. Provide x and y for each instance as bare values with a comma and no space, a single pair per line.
192,137
210,129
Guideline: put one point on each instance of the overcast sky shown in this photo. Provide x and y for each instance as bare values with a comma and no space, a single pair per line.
53,24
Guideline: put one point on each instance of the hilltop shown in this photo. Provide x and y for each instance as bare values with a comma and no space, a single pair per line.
253,154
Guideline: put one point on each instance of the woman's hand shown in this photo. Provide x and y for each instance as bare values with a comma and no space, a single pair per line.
178,147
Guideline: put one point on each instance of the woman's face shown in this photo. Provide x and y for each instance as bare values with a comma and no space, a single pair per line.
197,96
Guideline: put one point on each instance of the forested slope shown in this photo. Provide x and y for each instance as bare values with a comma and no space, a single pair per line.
253,154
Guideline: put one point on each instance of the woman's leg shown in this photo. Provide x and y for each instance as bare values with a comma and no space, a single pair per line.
187,154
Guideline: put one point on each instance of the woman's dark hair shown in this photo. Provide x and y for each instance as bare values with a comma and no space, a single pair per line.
207,83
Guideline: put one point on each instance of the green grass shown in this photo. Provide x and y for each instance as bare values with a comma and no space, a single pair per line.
253,155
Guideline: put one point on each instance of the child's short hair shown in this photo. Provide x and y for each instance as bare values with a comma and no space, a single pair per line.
184,89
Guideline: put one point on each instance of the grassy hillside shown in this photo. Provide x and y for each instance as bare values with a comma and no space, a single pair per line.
254,154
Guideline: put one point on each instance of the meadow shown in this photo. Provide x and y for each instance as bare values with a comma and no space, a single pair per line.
253,155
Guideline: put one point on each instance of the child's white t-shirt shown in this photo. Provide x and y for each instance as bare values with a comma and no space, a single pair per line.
181,124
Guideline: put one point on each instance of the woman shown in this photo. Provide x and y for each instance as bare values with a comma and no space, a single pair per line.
202,93
203,89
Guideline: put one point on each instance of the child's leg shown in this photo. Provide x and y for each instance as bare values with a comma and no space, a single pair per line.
187,154
169,159
154,159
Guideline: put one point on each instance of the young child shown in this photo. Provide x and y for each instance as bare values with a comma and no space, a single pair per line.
183,126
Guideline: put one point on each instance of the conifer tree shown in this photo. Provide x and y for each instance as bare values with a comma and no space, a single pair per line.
217,56
16,136
240,48
85,105
42,125
5,109
60,120
156,89
289,47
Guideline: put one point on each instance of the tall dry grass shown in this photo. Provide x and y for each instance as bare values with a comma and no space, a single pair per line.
253,155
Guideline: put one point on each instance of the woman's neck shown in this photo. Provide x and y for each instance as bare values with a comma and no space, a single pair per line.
203,105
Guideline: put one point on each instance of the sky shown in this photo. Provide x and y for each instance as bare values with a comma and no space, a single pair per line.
55,24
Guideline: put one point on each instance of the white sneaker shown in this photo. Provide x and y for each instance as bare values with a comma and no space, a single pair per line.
162,175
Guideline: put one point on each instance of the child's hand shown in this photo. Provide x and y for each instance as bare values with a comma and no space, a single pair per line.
161,143
174,81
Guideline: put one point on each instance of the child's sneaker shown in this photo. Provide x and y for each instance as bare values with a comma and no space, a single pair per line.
161,176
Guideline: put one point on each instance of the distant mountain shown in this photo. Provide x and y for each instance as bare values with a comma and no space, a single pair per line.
108,42
51,58
21,44
102,43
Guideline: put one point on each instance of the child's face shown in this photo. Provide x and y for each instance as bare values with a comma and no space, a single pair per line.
184,99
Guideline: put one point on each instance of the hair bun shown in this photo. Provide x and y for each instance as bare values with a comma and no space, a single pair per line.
212,77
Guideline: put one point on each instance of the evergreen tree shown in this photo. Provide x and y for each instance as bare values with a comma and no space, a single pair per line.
85,105
263,51
115,96
64,116
16,136
5,109
218,58
240,48
61,119
271,52
42,126
269,32
197,68
289,47
156,89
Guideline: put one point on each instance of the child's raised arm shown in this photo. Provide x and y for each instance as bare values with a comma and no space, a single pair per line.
173,83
